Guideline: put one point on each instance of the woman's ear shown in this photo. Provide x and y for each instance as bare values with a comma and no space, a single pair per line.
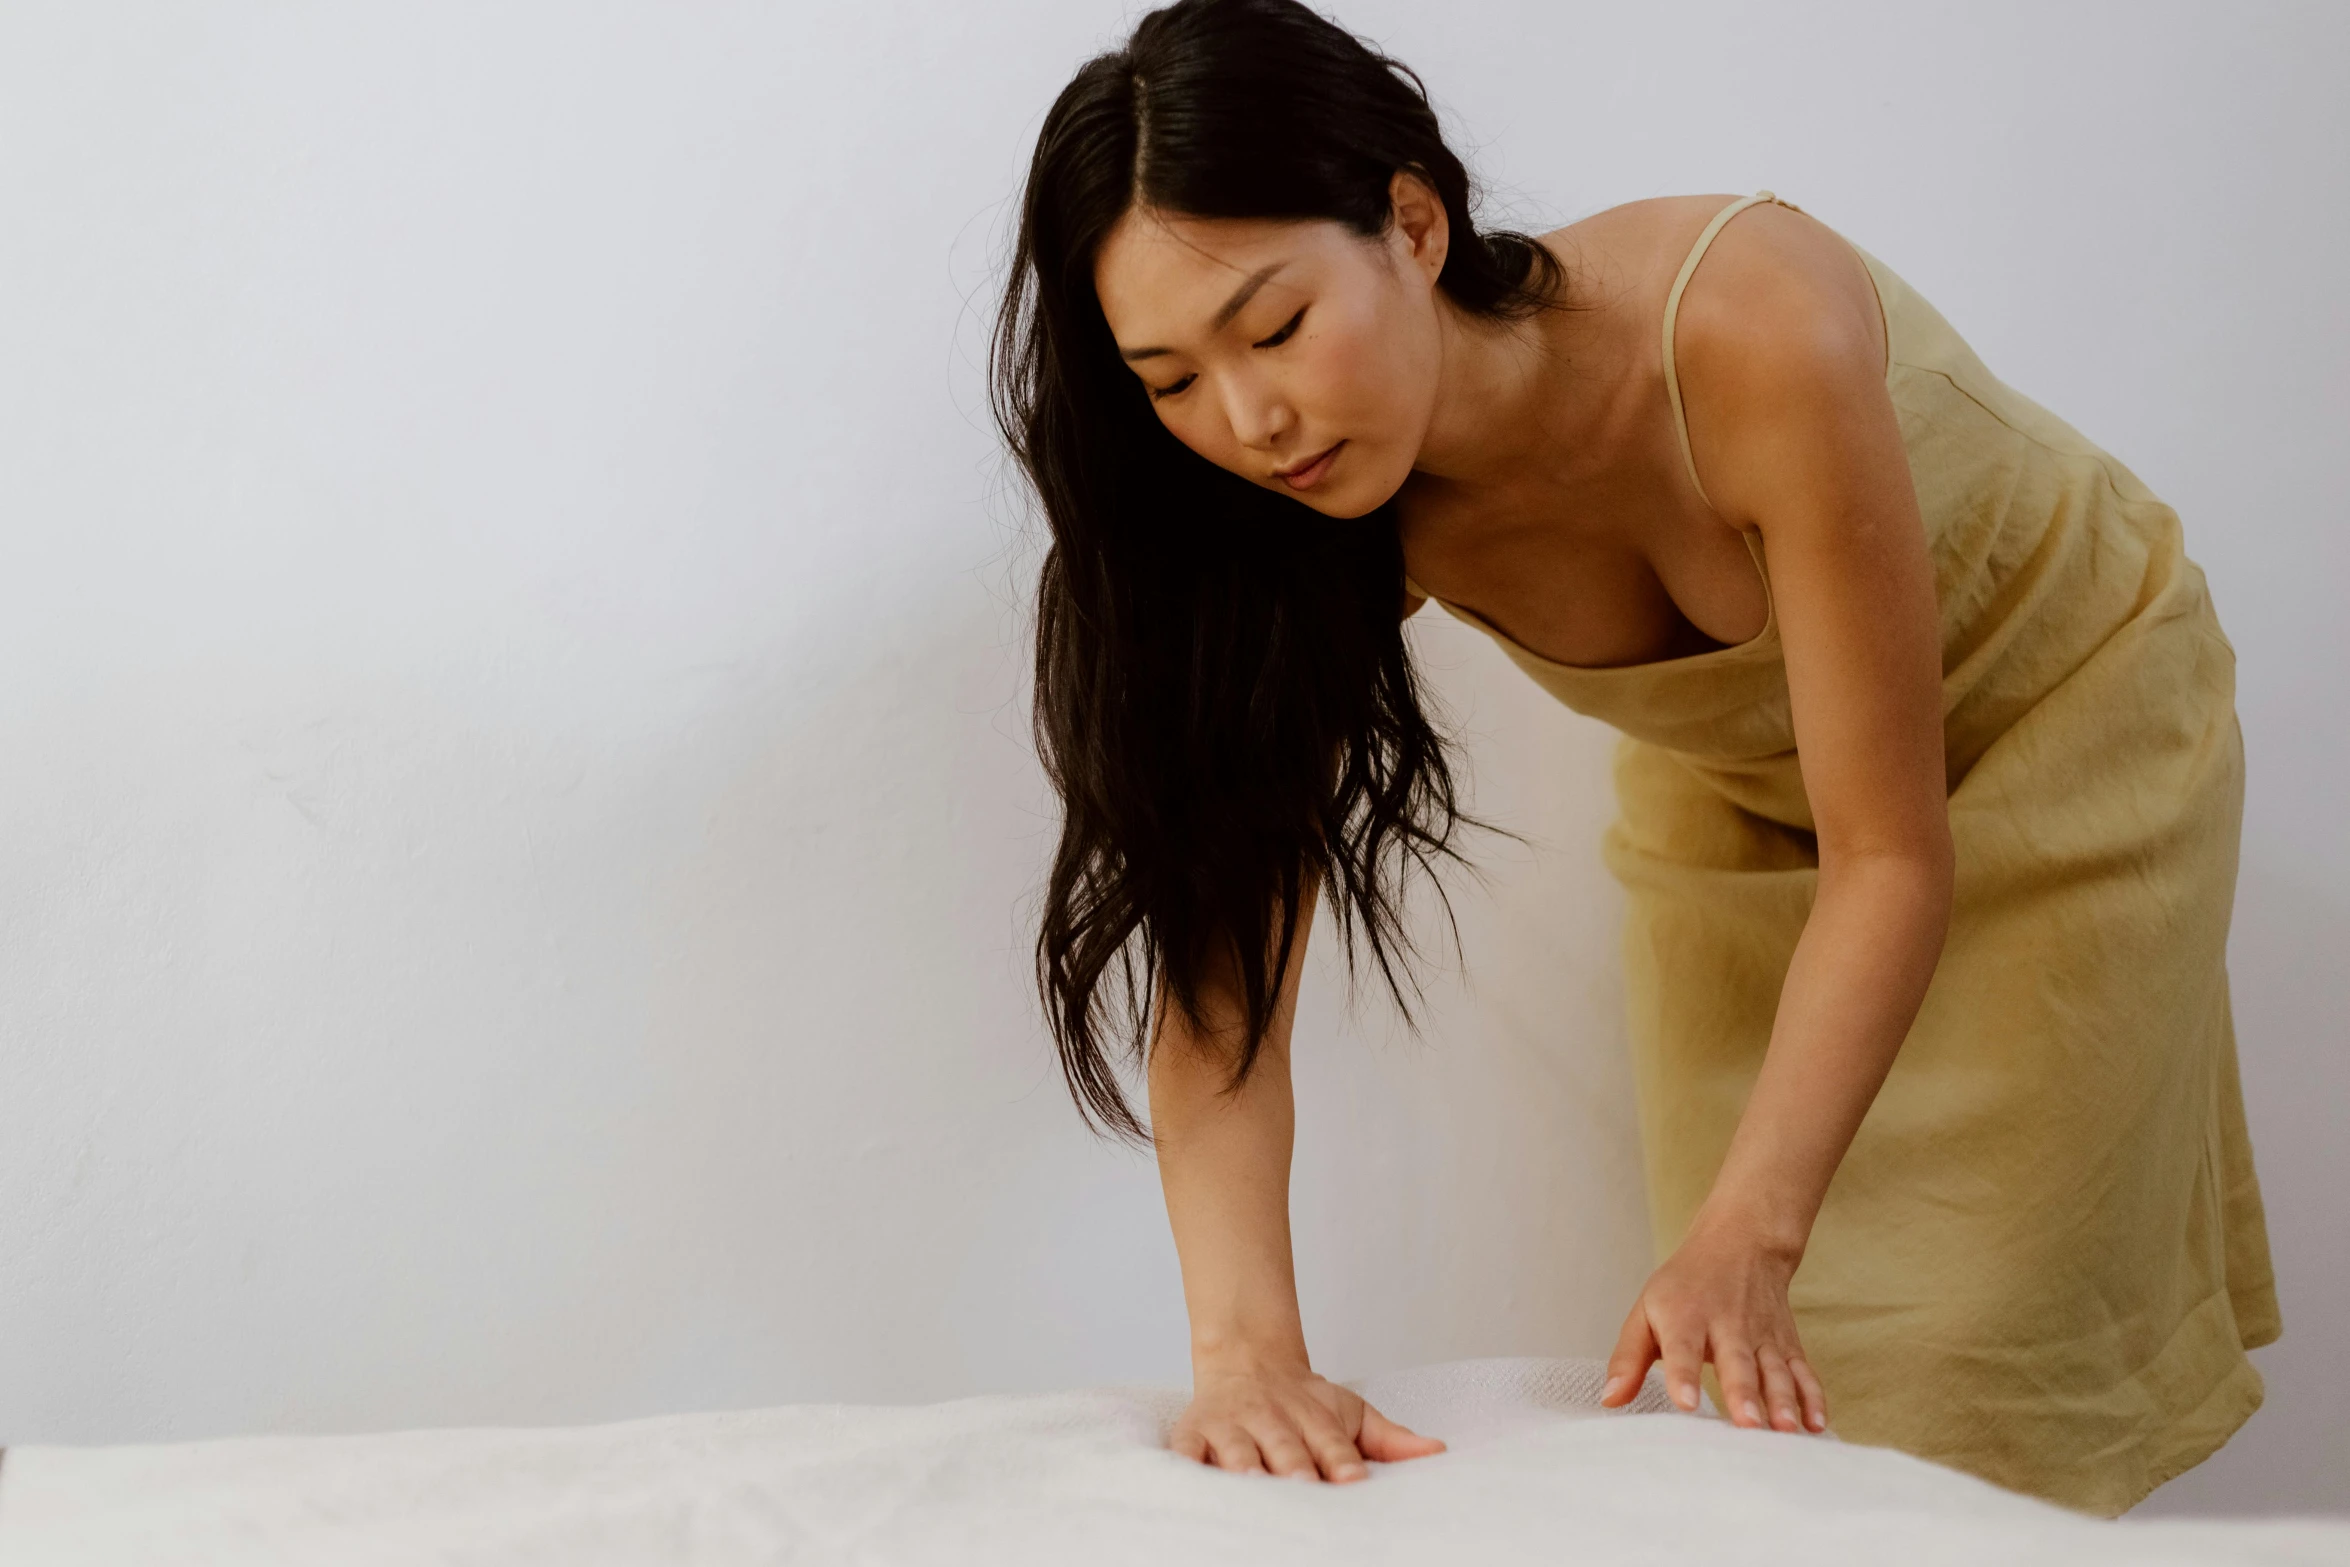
1417,219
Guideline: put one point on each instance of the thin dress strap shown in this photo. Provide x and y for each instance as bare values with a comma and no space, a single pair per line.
1673,309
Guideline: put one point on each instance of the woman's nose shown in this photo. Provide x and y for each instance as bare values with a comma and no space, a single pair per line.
1259,415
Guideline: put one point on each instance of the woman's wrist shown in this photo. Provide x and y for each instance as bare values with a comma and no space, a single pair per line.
1226,1350
1775,1228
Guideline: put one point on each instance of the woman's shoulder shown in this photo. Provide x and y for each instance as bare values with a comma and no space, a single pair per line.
1636,240
1772,269
1651,222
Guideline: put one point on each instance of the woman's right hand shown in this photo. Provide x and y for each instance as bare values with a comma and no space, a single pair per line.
1287,1420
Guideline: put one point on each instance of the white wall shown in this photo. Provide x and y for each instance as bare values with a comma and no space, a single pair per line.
517,843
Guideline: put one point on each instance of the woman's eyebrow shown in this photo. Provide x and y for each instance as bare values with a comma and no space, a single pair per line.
1232,307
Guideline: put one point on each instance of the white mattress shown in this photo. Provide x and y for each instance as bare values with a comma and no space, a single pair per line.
1537,1473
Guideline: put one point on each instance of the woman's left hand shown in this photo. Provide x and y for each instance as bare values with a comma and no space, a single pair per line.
1722,1296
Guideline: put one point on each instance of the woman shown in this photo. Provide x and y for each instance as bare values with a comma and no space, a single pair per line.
1930,790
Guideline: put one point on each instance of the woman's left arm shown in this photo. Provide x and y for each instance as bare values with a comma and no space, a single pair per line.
1794,434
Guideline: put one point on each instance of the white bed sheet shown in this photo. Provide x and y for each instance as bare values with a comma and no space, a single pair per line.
1537,1473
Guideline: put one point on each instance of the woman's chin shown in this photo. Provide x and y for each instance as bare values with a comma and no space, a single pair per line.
1352,500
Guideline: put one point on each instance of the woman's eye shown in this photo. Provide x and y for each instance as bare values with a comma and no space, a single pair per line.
1158,392
1287,327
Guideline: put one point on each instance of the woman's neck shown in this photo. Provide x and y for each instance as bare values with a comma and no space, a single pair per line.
1511,396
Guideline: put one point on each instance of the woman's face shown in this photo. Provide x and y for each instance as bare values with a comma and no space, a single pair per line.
1299,355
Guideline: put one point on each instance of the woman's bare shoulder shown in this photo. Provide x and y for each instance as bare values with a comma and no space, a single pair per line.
1632,231
1626,256
1771,266
1784,278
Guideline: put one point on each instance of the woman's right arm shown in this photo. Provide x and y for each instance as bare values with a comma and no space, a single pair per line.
1224,1167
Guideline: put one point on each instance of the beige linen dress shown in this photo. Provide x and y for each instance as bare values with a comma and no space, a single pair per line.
2043,1257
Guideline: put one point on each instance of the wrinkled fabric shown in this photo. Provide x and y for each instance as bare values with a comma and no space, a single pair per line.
1536,1474
2044,1256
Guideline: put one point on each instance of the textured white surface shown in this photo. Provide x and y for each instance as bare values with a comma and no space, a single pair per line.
1536,1473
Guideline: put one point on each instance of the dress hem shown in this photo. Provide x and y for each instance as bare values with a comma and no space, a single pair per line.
2205,1429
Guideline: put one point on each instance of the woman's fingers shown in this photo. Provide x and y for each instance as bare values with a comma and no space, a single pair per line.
1684,1358
1815,1397
1282,1449
1628,1367
1723,1297
1301,1438
1741,1387
1384,1440
1230,1447
1333,1452
1779,1393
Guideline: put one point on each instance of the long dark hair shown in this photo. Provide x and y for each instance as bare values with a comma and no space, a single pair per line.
1223,700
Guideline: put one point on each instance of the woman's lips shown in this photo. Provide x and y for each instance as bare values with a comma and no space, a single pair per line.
1305,478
